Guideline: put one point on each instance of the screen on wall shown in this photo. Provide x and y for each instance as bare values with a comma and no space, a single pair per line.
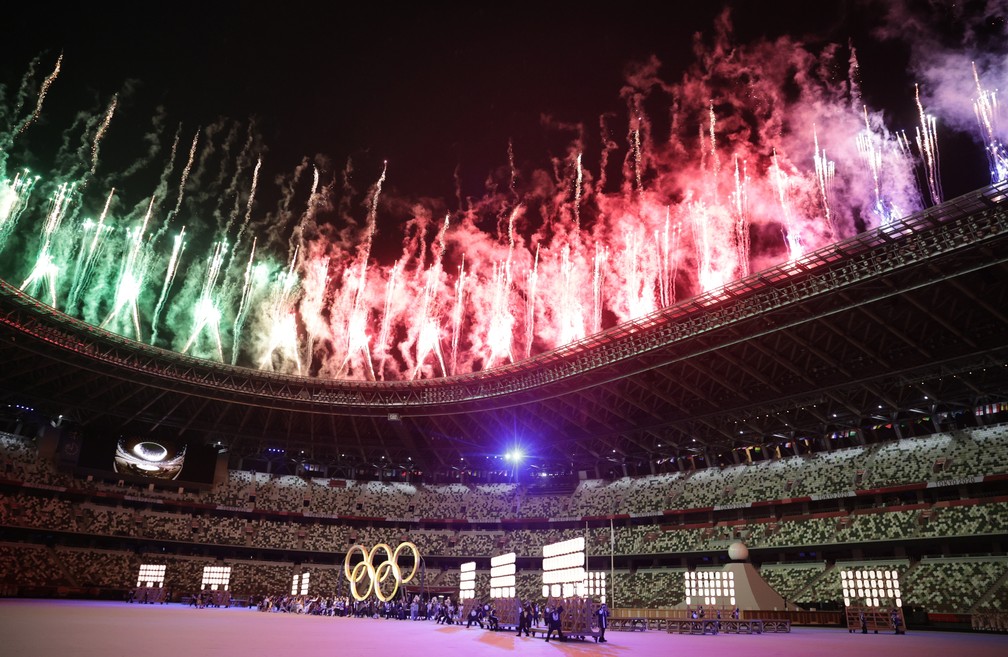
148,459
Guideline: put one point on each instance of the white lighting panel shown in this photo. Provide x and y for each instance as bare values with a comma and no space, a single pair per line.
594,585
564,568
467,580
870,588
710,587
151,575
563,576
299,584
502,575
216,578
564,547
502,559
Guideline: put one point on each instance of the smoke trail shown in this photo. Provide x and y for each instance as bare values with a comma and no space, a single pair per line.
577,195
185,176
600,266
101,132
42,94
740,209
251,201
531,284
716,165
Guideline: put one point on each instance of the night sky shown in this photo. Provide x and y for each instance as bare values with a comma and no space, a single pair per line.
427,87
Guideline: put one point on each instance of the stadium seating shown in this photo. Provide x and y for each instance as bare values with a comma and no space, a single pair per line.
693,512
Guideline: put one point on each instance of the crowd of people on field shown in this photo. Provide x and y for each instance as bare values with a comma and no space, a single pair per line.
440,609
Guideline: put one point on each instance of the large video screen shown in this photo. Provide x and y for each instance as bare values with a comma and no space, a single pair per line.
148,459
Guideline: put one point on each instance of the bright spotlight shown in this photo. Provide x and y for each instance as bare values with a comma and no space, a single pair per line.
514,455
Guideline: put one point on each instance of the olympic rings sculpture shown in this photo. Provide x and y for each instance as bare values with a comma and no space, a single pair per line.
377,574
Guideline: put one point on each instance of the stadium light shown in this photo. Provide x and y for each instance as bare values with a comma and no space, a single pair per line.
514,455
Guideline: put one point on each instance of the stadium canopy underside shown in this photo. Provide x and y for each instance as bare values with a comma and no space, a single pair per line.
900,327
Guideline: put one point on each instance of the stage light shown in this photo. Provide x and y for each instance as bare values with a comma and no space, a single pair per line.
563,567
151,575
299,584
216,578
467,581
594,586
502,575
870,588
713,587
514,455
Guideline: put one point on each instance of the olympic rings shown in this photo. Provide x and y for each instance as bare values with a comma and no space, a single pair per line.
378,574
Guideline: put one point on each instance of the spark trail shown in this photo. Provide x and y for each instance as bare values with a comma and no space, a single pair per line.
357,345
131,277
500,328
183,180
825,171
87,257
870,149
14,196
102,129
248,285
428,331
532,285
282,334
171,268
792,235
988,115
205,313
927,144
740,218
46,270
251,202
41,97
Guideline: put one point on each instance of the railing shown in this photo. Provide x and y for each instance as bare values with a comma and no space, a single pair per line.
752,621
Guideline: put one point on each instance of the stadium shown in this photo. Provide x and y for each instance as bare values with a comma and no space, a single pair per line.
719,424
819,446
